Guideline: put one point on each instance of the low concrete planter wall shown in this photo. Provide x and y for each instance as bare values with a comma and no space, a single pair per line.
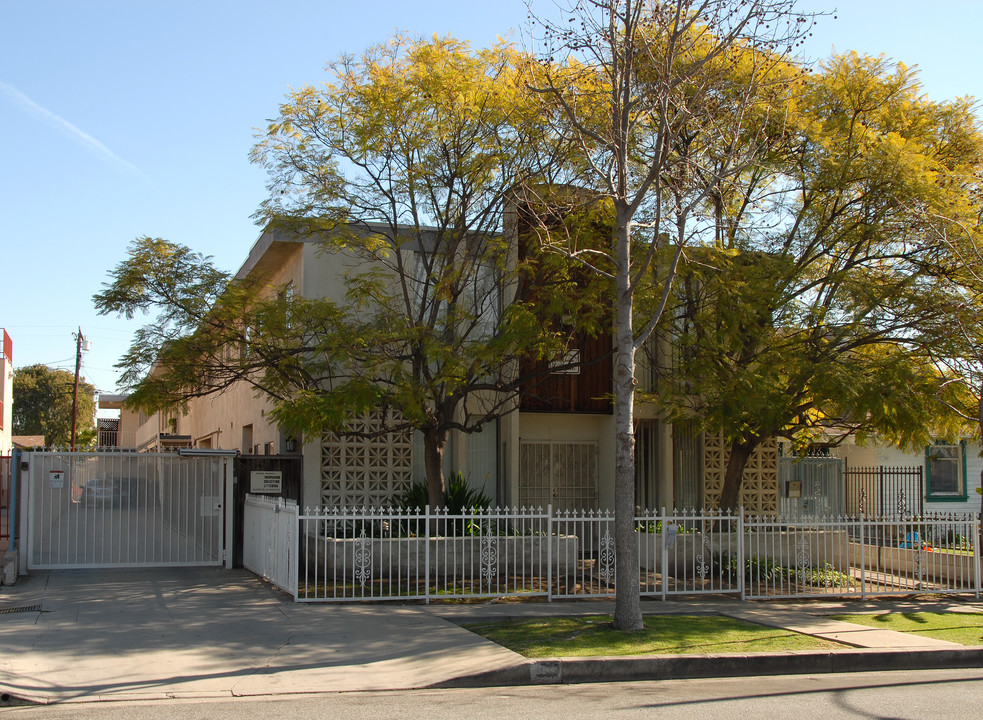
454,556
811,548
935,565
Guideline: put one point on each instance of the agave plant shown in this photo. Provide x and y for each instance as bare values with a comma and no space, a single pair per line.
458,498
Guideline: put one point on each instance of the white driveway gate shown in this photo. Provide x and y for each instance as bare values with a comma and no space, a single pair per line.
124,509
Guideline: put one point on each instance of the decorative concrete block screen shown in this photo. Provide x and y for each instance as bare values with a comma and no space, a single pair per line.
365,471
759,495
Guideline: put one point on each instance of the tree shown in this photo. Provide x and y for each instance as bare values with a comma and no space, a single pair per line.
404,168
819,309
43,406
666,104
958,356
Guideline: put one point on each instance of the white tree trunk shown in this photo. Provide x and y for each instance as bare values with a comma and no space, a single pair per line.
627,608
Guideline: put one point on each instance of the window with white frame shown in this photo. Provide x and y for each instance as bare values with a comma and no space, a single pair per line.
945,472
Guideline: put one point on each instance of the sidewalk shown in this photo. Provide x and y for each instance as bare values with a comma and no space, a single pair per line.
136,634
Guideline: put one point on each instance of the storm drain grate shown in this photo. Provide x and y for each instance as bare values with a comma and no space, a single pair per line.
26,608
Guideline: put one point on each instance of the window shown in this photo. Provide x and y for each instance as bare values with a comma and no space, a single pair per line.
286,296
567,364
945,472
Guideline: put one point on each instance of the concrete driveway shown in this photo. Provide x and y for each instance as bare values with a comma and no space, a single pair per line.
209,632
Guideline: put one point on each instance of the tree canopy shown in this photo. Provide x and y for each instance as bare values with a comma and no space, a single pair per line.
816,310
818,227
403,170
42,398
666,103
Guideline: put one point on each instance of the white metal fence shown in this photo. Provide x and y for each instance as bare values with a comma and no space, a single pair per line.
271,523
392,554
123,509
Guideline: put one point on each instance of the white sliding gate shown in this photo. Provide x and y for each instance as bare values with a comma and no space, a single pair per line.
125,509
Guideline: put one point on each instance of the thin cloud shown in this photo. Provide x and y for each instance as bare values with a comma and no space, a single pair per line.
79,136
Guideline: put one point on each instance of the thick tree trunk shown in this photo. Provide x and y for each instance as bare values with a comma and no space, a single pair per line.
627,606
730,493
434,442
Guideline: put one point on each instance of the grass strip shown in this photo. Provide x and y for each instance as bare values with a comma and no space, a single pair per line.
962,628
593,635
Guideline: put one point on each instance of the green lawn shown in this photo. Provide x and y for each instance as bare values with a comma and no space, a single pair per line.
962,628
663,634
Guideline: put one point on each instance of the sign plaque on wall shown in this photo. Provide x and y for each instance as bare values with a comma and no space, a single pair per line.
265,481
56,479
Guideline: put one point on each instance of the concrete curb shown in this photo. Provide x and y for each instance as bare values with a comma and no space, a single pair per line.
677,667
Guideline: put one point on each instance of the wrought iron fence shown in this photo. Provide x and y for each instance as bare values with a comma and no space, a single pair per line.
5,496
395,554
884,491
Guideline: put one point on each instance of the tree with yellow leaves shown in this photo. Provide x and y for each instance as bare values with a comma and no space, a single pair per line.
816,314
403,168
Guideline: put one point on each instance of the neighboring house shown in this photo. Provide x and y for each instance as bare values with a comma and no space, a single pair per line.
28,442
946,475
878,480
118,432
6,393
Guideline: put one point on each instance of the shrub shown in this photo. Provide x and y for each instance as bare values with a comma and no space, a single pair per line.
757,570
458,498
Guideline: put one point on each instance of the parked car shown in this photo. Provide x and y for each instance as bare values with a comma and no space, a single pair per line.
99,492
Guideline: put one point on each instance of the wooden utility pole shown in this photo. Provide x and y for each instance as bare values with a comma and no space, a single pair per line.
79,339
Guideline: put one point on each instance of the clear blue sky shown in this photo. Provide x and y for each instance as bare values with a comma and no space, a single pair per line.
124,118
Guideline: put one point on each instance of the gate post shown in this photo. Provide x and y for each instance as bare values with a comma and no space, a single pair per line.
549,552
229,510
741,585
426,555
976,553
298,554
863,559
664,555
27,514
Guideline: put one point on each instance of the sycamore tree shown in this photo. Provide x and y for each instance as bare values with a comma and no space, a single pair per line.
818,312
666,103
42,398
403,168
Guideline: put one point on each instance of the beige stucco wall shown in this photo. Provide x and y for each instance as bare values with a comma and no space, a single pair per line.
218,420
128,423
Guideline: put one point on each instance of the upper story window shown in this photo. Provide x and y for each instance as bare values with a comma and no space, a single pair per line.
567,364
945,472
